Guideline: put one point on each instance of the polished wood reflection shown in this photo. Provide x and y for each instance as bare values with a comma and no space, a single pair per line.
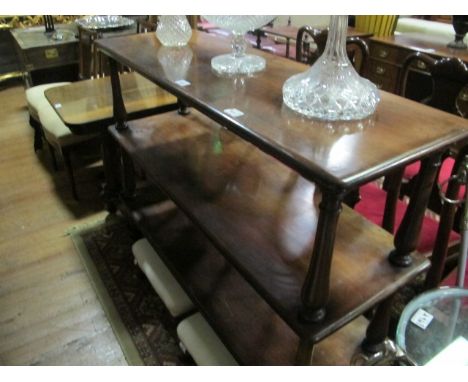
344,154
247,325
263,216
84,104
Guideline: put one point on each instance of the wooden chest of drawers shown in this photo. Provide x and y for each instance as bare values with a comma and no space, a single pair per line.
388,53
47,57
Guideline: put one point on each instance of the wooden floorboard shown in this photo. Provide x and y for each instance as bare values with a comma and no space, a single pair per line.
49,312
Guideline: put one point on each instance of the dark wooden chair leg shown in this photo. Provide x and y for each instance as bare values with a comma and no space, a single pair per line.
53,157
69,168
36,126
447,218
304,353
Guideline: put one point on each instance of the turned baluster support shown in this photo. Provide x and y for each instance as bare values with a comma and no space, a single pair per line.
315,290
407,236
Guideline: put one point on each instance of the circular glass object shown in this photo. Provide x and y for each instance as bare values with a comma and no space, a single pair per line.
434,324
332,89
238,61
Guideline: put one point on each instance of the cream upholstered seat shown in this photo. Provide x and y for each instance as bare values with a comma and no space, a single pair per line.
202,343
161,278
35,99
58,136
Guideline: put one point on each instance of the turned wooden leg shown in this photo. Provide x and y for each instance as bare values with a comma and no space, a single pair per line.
183,107
304,353
128,175
377,331
316,286
392,185
407,236
69,168
52,156
111,164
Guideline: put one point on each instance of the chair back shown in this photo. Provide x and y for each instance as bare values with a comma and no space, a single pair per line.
311,42
449,77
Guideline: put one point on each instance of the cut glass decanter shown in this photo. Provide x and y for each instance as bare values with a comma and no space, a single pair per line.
332,89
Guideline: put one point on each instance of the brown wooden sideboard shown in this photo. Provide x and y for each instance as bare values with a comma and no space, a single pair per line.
256,232
388,53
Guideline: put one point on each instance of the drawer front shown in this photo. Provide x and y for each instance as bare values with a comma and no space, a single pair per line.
383,75
384,52
45,57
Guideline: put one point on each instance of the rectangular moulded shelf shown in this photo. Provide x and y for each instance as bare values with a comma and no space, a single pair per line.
262,217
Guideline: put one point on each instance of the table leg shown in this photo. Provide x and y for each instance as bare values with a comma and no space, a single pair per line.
129,182
120,114
111,164
316,286
377,331
407,236
392,185
304,353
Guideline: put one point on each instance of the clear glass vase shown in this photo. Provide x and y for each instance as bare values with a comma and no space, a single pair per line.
238,61
173,30
332,89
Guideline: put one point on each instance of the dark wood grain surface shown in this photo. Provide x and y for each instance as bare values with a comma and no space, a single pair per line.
262,216
246,324
340,154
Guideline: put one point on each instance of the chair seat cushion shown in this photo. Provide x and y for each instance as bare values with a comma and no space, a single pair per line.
372,206
35,97
161,278
202,343
55,131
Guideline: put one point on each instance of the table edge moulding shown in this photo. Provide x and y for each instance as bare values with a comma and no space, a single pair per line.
364,151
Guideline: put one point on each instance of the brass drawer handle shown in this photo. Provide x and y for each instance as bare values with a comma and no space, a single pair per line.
379,85
51,53
421,65
380,70
383,53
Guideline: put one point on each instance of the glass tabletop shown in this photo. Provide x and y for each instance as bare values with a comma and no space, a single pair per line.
433,328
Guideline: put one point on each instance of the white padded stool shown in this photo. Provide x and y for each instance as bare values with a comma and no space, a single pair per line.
202,343
161,278
36,99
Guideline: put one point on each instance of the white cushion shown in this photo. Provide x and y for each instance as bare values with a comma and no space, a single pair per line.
202,343
161,278
55,131
35,97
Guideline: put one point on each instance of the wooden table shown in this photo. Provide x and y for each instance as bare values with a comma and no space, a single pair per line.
289,32
86,107
252,190
44,58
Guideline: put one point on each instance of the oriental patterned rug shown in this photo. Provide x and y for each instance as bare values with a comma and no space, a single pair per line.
144,328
